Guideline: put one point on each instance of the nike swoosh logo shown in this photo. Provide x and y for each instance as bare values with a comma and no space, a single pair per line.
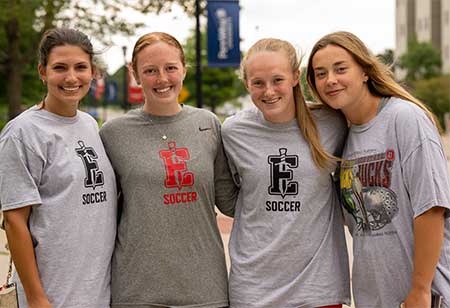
202,129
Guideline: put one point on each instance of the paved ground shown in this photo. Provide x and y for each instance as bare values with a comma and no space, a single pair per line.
225,223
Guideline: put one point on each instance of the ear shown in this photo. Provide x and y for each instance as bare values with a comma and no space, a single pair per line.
246,85
94,72
365,77
184,72
296,78
135,75
42,73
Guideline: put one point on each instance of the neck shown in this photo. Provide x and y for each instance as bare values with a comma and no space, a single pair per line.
65,109
364,110
161,110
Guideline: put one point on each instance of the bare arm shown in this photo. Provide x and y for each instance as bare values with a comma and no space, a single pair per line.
22,251
428,237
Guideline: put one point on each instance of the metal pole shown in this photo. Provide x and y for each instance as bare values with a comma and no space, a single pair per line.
198,50
125,79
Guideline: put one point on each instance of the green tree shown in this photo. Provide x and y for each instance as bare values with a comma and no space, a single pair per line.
435,92
219,85
22,23
304,84
421,61
387,57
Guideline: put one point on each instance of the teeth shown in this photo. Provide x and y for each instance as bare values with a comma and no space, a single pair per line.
270,101
70,89
163,90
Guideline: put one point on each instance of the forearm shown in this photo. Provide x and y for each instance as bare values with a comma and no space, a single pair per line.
22,251
428,237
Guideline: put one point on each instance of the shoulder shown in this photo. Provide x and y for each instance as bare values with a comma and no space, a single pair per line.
119,123
408,117
200,113
240,119
25,124
87,119
404,110
410,121
328,119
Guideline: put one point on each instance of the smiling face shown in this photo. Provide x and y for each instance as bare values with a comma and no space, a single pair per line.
270,82
340,81
68,75
161,74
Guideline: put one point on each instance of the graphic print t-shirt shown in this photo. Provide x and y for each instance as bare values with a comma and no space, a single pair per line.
287,245
394,170
59,166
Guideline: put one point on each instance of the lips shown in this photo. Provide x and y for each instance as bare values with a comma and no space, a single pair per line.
333,92
70,89
163,90
271,101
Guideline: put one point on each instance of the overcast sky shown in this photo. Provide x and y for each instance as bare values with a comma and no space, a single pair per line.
301,22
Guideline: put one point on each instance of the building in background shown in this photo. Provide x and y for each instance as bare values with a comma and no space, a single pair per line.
429,21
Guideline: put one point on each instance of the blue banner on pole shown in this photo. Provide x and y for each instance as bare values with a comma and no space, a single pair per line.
223,33
111,91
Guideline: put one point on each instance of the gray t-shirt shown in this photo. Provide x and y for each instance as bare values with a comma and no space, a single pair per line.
287,245
395,170
59,166
172,170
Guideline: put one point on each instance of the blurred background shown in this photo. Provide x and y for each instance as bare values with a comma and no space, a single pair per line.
410,35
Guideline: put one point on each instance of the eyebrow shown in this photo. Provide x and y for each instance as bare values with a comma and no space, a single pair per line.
63,63
334,64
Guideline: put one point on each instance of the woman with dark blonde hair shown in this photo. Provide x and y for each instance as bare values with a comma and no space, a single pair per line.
172,171
287,244
394,178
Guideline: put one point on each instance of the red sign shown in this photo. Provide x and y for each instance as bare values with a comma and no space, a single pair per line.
135,93
100,88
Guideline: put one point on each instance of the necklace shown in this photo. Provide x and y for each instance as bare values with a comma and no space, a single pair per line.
155,126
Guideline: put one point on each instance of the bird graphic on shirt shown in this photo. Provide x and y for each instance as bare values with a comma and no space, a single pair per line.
352,192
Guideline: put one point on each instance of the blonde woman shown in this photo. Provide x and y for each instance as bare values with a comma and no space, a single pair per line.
287,244
397,204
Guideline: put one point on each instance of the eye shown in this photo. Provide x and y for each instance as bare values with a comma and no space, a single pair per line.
58,67
150,71
278,80
320,75
82,67
172,68
341,69
257,83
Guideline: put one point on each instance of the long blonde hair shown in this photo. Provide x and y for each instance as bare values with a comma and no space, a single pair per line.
305,121
381,80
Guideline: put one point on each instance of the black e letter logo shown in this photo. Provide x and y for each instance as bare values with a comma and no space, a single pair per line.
281,174
94,177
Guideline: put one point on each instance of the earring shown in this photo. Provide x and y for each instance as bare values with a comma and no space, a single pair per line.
44,82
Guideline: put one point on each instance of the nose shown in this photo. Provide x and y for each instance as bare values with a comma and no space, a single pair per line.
71,75
269,90
162,77
331,78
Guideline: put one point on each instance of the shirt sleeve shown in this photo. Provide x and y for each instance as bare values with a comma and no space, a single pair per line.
225,189
425,174
20,174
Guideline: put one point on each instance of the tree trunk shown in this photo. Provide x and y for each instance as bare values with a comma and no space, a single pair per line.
14,68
